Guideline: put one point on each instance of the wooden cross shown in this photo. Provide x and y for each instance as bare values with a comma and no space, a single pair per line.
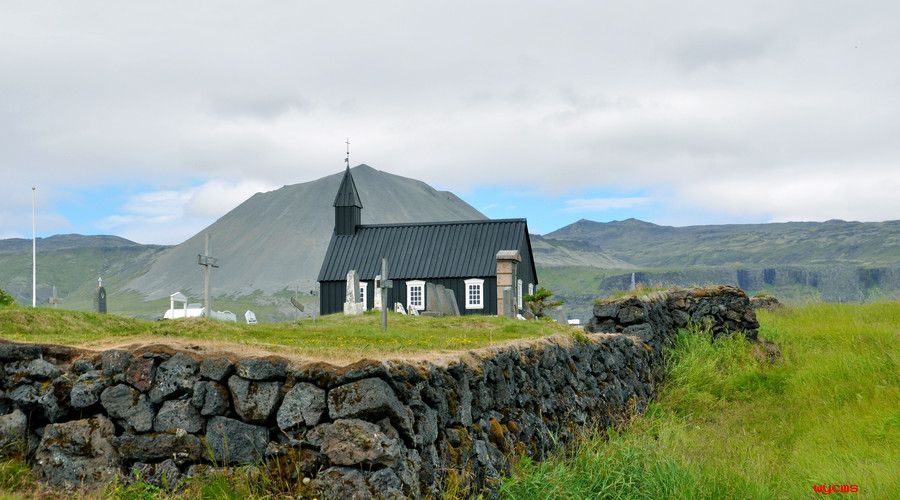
383,286
207,262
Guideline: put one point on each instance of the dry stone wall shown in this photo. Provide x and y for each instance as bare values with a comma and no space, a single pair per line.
381,429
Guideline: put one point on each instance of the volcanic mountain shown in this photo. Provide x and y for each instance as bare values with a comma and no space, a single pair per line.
277,240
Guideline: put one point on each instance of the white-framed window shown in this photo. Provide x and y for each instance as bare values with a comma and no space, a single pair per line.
519,293
474,293
363,288
415,295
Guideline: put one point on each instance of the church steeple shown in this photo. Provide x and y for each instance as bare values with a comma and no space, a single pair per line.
347,196
347,207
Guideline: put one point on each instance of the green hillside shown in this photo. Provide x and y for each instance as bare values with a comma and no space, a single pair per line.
73,270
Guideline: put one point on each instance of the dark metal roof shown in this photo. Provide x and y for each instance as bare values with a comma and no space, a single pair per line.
347,196
462,249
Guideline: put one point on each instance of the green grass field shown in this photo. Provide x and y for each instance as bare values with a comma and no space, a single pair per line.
729,424
332,338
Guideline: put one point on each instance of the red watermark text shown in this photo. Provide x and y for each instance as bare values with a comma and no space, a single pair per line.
827,489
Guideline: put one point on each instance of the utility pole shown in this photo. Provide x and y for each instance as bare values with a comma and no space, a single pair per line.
207,262
33,247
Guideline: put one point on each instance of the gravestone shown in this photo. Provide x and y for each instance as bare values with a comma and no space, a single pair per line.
352,304
451,299
443,306
508,302
398,308
434,295
100,297
442,301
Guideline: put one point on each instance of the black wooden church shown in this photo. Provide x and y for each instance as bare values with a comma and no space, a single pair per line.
461,256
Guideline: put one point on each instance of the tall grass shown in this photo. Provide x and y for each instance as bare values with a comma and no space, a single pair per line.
728,423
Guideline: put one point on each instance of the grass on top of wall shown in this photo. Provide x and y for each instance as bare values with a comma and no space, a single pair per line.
329,337
730,424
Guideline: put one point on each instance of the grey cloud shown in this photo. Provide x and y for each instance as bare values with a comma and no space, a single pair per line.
261,107
600,94
721,49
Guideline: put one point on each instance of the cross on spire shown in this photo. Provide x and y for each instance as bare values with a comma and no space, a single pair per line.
347,159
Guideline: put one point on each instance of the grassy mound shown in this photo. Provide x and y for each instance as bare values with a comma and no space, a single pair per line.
334,337
728,423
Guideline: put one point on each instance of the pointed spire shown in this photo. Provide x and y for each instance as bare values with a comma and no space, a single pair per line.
347,195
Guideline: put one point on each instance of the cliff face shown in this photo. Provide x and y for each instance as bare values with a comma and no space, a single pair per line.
374,428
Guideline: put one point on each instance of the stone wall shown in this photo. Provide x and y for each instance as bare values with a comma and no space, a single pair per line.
375,428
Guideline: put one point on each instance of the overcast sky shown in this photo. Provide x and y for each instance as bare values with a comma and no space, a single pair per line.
150,120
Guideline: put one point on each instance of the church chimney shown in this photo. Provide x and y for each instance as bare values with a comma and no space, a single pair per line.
347,207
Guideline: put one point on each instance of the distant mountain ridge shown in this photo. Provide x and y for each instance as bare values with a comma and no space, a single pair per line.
69,241
556,253
775,244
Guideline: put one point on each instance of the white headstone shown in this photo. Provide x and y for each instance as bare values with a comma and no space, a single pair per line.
398,307
352,304
413,311
352,287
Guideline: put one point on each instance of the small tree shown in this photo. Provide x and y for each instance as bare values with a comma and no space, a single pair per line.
540,302
5,298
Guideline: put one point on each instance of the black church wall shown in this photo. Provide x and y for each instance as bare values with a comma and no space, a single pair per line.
333,294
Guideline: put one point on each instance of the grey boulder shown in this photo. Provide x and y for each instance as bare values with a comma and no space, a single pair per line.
40,369
182,446
128,406
262,368
234,442
304,404
210,398
370,398
87,388
356,442
114,361
24,395
174,376
254,401
77,454
217,369
13,432
178,414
